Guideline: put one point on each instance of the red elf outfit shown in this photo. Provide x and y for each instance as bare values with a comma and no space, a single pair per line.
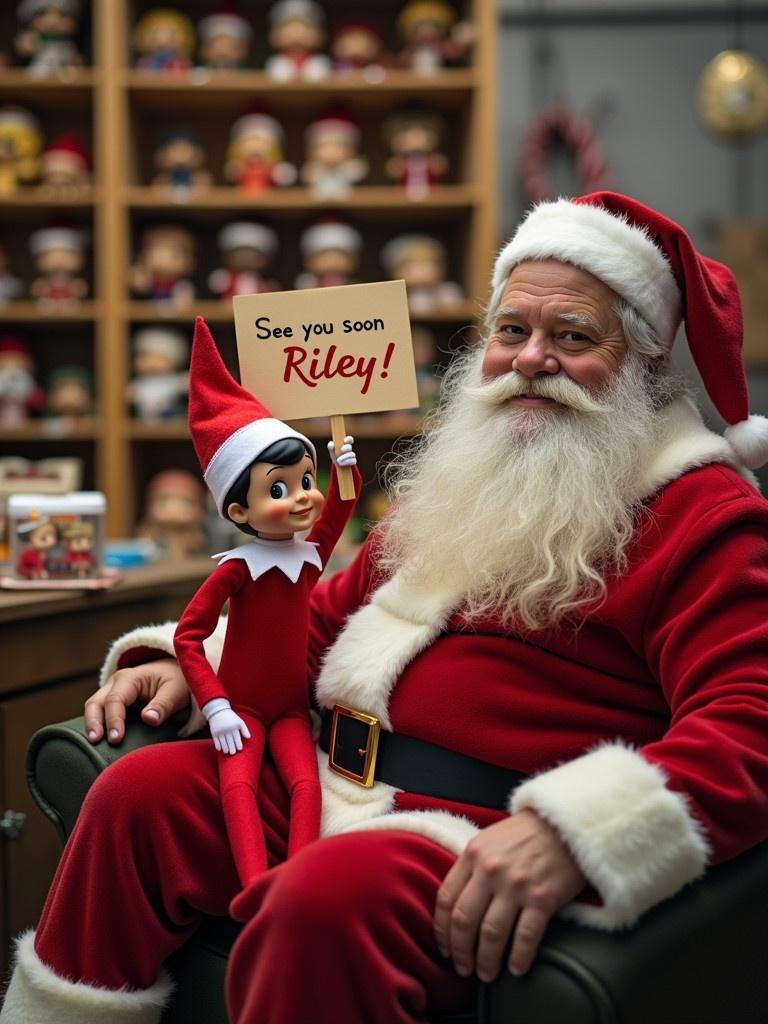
263,671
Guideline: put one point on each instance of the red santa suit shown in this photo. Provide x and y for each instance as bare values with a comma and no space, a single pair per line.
263,672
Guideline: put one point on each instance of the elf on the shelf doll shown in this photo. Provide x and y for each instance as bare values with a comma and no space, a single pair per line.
261,474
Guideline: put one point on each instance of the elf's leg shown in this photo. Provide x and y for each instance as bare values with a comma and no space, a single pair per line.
295,757
240,774
149,855
343,932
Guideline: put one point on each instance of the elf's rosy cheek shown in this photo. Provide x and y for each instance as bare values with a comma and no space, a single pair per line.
276,511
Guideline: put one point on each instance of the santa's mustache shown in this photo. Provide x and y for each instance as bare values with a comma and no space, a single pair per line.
558,387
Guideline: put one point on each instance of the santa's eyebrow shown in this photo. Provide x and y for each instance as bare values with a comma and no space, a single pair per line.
507,311
581,320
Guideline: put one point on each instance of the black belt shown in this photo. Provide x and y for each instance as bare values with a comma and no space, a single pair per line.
365,753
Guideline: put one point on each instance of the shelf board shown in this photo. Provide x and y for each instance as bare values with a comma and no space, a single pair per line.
29,312
36,198
216,312
230,90
70,90
56,429
370,199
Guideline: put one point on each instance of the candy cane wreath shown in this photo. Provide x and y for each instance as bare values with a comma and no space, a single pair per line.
560,123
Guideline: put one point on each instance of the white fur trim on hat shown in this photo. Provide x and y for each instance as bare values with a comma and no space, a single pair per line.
749,439
291,10
635,840
321,237
621,255
239,451
245,234
37,995
56,238
162,339
257,122
231,25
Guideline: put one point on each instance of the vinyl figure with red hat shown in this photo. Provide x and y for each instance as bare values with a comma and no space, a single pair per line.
255,154
20,144
333,161
225,38
247,249
65,164
330,252
47,38
297,34
413,135
166,259
21,397
262,475
59,255
38,536
165,40
432,36
357,47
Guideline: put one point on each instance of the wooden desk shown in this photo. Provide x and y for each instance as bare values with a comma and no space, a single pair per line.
52,644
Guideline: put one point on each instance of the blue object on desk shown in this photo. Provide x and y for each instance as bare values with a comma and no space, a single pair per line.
127,554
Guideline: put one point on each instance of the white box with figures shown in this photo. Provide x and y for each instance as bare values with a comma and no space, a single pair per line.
57,541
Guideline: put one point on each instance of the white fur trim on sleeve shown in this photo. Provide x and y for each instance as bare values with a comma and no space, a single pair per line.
37,995
635,840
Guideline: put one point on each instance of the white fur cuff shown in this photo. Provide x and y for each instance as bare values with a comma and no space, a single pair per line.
635,840
37,995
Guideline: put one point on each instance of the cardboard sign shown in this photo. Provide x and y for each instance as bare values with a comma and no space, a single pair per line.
327,351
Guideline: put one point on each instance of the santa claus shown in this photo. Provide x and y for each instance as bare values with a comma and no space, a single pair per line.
542,681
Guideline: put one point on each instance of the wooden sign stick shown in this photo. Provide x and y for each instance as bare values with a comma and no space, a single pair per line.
346,480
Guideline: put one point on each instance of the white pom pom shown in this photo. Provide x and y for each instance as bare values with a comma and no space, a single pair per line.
749,439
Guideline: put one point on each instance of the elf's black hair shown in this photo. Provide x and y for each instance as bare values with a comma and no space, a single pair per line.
285,452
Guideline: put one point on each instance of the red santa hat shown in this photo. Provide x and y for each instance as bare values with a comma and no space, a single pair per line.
230,428
69,148
651,262
335,121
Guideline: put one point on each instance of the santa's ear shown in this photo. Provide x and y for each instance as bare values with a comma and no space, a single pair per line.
237,513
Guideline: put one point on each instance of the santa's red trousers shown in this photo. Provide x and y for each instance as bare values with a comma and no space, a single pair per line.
341,932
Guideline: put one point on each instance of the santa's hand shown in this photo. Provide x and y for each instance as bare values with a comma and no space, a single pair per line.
511,879
227,728
161,683
346,456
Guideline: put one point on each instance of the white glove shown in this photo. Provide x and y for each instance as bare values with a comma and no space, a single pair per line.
346,456
226,727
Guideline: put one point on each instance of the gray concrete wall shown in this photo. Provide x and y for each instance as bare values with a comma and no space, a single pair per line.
639,81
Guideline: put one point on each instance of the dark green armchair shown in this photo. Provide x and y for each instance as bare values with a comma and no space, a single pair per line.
701,958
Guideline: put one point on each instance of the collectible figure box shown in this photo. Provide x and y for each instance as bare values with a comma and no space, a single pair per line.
57,540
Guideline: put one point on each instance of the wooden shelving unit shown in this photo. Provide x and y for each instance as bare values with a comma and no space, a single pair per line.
123,112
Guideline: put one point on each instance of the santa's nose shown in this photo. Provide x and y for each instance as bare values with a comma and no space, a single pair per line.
536,357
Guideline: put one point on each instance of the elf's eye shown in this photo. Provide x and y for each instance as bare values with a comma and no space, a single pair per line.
278,490
307,481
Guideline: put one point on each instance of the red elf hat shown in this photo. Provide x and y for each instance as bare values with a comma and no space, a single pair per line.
230,428
651,262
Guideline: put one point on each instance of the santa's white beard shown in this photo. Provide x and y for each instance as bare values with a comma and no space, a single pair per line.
524,511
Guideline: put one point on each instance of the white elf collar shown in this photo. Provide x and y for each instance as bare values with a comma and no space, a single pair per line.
287,555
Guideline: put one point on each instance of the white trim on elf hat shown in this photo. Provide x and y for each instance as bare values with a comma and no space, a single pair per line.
651,262
230,428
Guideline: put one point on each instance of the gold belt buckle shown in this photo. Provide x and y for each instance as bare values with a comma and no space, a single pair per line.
354,744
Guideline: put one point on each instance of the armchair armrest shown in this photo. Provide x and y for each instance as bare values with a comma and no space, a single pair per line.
696,959
62,764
